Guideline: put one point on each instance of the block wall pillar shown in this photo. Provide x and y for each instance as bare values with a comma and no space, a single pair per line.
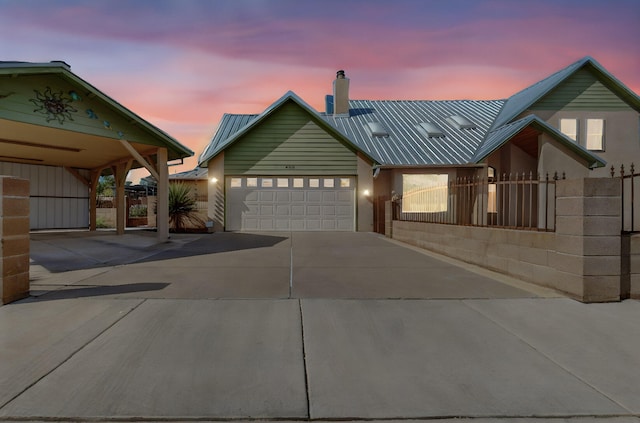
588,239
14,236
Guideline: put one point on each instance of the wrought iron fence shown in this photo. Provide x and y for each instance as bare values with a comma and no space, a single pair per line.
515,200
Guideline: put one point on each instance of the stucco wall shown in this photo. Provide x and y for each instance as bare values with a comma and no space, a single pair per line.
14,239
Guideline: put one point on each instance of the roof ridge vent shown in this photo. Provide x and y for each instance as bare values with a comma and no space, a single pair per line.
461,122
377,129
430,129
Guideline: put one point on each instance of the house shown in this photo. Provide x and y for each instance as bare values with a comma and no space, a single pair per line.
62,133
293,168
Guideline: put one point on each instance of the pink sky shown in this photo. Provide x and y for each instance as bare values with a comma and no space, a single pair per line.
181,64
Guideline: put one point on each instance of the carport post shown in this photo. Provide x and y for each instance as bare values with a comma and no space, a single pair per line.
120,174
162,217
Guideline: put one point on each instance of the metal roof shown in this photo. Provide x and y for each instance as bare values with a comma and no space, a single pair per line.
194,174
406,144
409,145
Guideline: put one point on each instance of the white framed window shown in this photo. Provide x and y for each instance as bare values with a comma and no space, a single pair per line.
314,183
425,193
236,183
283,182
298,182
252,182
329,183
569,127
595,134
266,183
345,182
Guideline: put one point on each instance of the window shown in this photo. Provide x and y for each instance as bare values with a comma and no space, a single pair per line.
252,182
569,127
298,183
283,182
345,182
377,129
266,183
314,183
595,134
424,193
236,182
328,183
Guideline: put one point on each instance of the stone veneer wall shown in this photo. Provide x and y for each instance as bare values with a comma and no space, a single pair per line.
582,258
14,245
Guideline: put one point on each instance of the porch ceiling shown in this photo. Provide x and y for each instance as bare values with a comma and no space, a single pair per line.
527,140
34,144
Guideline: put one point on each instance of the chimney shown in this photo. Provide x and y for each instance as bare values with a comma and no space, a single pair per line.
341,95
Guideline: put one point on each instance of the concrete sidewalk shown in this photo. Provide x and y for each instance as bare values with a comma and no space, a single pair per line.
414,338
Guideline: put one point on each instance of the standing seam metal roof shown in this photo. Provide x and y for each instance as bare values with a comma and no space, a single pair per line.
406,145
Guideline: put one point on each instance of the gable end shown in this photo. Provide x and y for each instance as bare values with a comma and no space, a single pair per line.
582,91
289,142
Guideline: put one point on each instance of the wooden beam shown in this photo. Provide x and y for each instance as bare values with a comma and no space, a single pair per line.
139,158
78,175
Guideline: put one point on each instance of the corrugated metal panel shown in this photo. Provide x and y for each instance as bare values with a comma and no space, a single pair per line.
406,145
57,199
197,173
581,91
291,144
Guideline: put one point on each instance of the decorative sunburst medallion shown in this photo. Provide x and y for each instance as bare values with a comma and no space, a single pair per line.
54,105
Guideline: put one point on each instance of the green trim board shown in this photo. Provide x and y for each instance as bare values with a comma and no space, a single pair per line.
29,91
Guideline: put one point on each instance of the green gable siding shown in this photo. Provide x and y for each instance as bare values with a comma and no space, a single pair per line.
289,142
21,100
582,91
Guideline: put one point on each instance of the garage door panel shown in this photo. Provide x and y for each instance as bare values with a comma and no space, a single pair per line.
283,196
345,196
266,210
328,196
297,210
314,196
328,211
291,203
283,210
313,210
266,195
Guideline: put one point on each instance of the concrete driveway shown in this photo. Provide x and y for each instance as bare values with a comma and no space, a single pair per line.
303,327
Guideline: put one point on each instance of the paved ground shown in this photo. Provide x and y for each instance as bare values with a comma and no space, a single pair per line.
302,326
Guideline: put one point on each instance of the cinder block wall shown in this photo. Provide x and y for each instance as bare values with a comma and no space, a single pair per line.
14,245
582,258
634,263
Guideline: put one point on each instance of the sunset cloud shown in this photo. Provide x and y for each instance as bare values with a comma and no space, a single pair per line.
181,64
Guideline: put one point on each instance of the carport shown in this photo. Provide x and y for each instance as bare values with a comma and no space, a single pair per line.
62,134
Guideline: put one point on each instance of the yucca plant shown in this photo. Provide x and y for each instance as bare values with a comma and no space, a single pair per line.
182,207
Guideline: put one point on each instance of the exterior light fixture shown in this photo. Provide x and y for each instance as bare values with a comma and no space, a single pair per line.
366,193
214,180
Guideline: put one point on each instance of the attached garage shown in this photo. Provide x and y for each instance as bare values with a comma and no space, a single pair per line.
286,170
291,203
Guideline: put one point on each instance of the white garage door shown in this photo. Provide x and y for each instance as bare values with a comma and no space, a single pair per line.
290,203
